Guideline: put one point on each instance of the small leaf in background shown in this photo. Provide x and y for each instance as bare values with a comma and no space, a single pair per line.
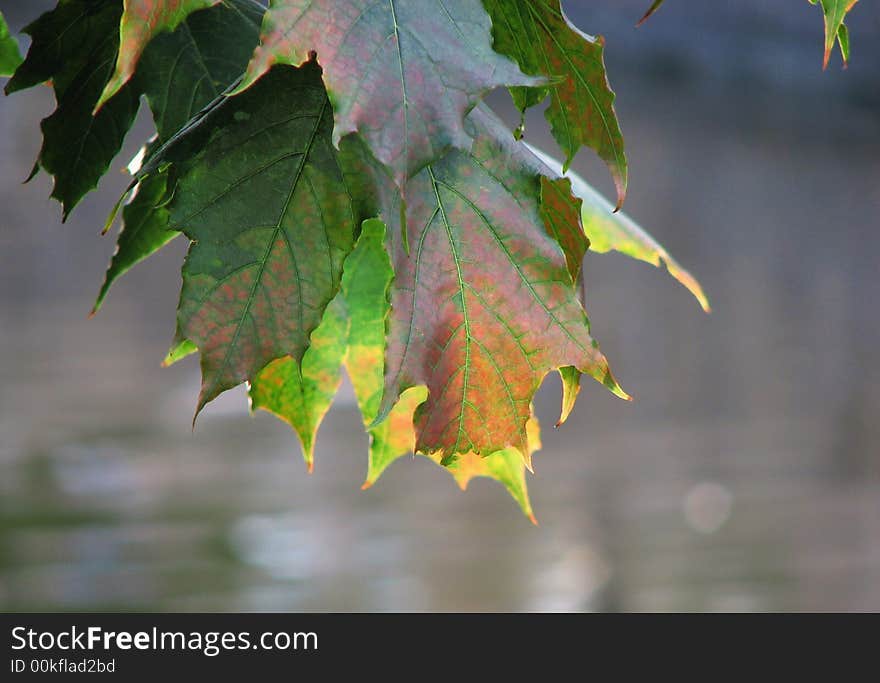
650,11
141,21
10,57
483,306
835,12
180,73
538,35
264,201
609,231
74,46
402,74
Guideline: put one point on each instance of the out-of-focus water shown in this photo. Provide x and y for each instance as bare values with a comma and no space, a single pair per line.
746,475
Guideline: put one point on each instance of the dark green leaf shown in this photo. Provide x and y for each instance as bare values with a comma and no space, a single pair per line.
74,46
181,73
145,230
264,201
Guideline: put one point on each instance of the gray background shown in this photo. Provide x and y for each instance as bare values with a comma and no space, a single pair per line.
746,475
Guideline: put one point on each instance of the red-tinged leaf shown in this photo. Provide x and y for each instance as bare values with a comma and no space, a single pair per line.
538,35
401,73
262,197
352,334
483,305
141,21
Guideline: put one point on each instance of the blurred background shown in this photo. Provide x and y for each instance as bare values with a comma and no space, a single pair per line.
745,476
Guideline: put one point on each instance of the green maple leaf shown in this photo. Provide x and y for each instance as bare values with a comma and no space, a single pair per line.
74,46
261,195
835,12
483,305
402,74
10,57
141,21
180,73
538,35
352,334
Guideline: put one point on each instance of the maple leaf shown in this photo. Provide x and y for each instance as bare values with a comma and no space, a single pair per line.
402,74
835,12
141,21
74,46
10,57
180,73
483,306
262,196
352,334
538,35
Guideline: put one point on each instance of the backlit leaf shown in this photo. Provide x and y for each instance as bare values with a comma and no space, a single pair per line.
353,333
141,21
538,35
264,201
482,304
402,73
